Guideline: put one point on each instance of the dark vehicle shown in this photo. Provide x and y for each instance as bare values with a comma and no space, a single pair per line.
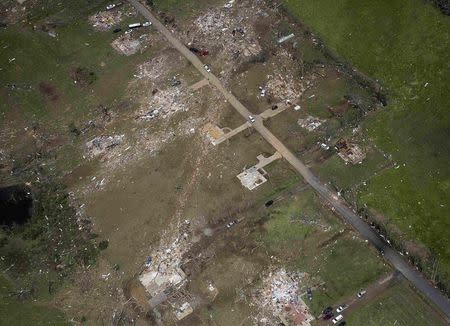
269,203
328,313
117,30
342,323
199,51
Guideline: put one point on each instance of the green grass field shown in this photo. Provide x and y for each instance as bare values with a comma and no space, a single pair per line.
306,247
23,312
399,305
345,176
403,44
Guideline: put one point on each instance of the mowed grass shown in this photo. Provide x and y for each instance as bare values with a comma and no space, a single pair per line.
23,312
399,305
405,45
308,238
345,176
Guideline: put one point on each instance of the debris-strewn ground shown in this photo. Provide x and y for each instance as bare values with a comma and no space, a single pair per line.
285,87
115,152
107,19
101,144
126,45
162,272
165,103
279,300
228,33
142,166
310,123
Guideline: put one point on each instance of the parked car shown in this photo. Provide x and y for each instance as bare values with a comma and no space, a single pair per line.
336,319
231,224
341,308
251,118
342,323
328,313
328,316
207,68
361,293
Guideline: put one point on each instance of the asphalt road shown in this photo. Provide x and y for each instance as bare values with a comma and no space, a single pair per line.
339,206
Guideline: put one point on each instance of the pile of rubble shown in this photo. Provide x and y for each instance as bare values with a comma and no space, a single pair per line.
285,88
162,273
156,68
165,103
142,143
233,33
105,20
99,145
128,45
279,300
349,152
152,69
310,123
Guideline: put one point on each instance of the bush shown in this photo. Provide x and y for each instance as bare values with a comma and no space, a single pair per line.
103,244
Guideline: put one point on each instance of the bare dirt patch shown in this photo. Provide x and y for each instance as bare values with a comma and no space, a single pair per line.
82,76
48,91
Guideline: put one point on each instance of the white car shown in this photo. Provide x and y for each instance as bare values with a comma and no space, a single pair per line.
207,68
251,119
361,293
341,308
146,24
231,224
336,319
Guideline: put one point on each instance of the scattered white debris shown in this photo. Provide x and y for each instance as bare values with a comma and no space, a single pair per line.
164,272
128,45
324,146
350,152
105,20
310,123
279,297
251,178
229,4
101,144
285,38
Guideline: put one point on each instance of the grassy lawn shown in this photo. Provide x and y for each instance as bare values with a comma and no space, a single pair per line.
345,176
399,305
403,44
306,237
15,312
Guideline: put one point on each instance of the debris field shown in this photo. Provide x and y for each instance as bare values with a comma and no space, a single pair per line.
279,299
